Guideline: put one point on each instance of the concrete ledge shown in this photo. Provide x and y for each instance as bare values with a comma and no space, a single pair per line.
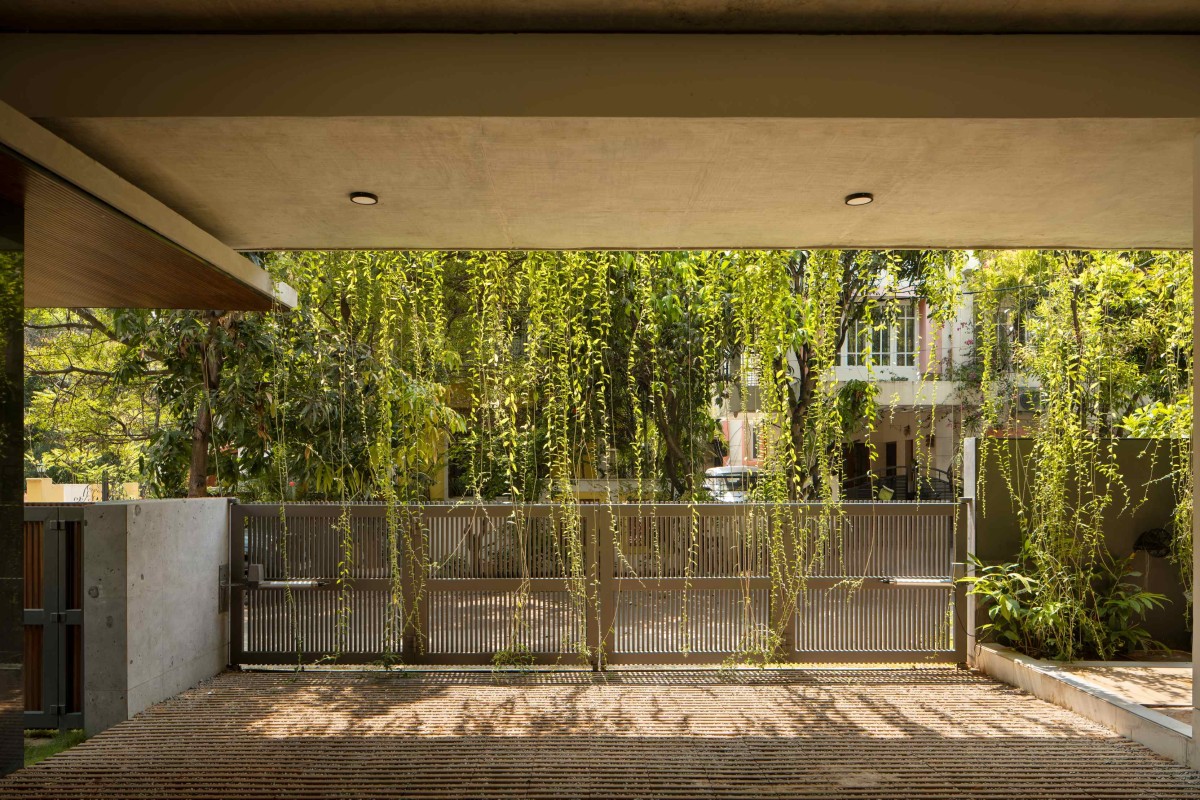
1048,681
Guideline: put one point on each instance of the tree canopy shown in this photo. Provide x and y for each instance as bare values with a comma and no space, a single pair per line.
537,368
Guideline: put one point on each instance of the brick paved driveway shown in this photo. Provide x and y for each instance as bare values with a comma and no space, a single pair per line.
911,733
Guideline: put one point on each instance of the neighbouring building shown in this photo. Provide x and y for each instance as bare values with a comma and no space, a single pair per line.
915,363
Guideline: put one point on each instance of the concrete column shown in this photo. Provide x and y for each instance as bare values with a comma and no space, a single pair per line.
1195,749
12,546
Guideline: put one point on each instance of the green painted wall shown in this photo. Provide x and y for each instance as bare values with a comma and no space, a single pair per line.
1148,503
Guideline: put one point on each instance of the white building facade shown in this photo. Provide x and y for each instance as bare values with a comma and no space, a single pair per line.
914,364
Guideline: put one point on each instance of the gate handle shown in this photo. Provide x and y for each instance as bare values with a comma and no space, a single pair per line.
918,581
254,578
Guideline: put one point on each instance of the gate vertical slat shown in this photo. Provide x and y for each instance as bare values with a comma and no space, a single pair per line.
34,579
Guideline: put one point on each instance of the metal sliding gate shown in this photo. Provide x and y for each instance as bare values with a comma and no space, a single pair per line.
53,616
639,584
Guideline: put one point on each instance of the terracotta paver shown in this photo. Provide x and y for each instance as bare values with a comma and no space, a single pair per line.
902,733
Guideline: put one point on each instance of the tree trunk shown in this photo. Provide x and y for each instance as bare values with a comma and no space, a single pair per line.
201,437
210,369
676,466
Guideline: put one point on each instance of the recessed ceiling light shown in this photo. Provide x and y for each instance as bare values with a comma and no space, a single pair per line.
366,198
860,199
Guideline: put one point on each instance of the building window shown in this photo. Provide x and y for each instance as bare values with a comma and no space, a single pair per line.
1011,335
1004,338
868,344
749,369
907,346
755,442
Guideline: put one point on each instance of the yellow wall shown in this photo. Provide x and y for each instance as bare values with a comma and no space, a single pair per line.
45,490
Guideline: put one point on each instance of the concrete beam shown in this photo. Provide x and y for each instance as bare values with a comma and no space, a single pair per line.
634,141
615,75
619,16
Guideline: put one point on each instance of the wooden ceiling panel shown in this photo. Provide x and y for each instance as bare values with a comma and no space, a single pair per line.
80,252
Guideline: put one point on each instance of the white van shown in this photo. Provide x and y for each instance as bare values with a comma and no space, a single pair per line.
731,484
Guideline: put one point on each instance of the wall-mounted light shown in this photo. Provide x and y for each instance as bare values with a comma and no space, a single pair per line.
363,198
860,199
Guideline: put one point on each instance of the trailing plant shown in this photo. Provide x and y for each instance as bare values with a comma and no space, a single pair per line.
1171,423
513,657
1096,337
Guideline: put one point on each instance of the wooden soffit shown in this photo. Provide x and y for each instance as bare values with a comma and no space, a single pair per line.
93,239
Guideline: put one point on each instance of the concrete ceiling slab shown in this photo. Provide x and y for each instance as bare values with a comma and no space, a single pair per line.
641,183
777,16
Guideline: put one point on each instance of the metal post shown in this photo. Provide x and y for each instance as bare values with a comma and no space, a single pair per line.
54,632
591,531
967,533
606,583
416,607
962,524
788,629
237,582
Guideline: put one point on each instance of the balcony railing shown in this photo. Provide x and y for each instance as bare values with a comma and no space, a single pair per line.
903,484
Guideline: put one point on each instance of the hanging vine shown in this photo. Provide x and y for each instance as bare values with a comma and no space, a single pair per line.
577,367
1097,335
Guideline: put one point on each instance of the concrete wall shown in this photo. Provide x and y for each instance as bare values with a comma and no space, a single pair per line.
1144,466
152,624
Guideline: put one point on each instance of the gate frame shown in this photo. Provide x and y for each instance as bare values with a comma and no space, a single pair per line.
603,585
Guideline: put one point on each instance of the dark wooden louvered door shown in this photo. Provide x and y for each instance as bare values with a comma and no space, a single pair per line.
53,616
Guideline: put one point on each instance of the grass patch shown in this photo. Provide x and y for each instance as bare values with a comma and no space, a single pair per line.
40,745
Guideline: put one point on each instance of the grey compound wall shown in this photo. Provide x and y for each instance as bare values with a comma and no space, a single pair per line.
1148,501
153,624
